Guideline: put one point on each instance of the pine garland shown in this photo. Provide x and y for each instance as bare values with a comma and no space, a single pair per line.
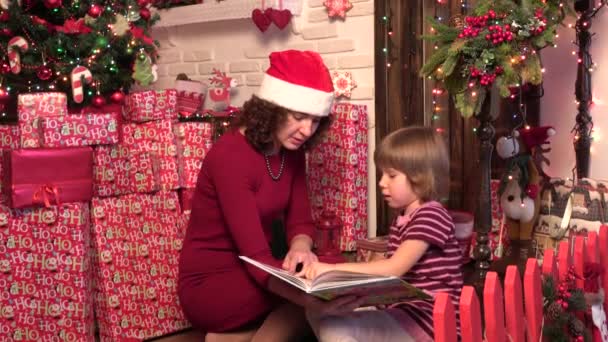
495,47
562,303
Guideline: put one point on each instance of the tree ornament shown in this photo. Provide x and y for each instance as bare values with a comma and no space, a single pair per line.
145,14
76,78
343,83
4,96
4,17
95,11
5,4
120,26
554,311
51,4
6,32
117,97
5,68
44,72
15,45
143,70
143,3
337,8
98,101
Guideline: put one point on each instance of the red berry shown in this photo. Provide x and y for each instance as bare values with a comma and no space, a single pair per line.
488,37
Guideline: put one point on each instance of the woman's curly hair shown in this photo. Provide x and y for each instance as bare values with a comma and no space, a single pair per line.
261,120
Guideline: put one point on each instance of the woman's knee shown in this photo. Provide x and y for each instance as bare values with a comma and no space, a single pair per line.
335,329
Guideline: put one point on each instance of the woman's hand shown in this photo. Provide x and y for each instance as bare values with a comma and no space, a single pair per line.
299,252
315,269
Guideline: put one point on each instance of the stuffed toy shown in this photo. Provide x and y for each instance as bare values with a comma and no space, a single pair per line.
520,185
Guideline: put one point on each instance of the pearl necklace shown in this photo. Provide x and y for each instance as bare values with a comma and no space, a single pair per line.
275,178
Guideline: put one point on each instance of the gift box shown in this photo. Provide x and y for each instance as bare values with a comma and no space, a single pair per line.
190,97
137,239
80,130
45,274
371,249
33,106
337,172
118,170
29,184
151,105
155,137
193,140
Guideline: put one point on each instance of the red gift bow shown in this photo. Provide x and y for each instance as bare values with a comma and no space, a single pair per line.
44,194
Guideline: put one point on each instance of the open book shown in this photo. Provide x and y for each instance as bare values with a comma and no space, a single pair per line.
376,289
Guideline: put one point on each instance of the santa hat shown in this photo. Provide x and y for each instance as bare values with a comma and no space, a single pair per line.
298,81
536,136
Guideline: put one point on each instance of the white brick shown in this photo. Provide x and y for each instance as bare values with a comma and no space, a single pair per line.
207,68
320,32
296,25
244,66
362,93
316,3
198,56
265,64
317,15
330,62
163,70
240,80
164,83
354,62
256,53
361,10
333,46
253,79
188,69
169,56
303,46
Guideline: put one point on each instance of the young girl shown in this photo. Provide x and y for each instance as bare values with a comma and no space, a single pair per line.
422,248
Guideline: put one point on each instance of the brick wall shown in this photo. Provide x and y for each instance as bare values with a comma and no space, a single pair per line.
238,48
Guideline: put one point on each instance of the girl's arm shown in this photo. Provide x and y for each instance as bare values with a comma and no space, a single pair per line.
406,256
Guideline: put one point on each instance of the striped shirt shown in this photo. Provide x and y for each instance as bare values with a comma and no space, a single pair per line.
439,269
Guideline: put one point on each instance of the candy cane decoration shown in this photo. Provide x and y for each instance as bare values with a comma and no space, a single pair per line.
76,77
13,54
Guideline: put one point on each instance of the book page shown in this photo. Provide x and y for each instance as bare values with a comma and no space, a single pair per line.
333,279
301,283
377,293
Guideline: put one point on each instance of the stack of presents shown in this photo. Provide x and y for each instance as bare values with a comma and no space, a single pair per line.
93,211
94,206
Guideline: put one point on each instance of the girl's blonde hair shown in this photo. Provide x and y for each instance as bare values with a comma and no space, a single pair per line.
422,155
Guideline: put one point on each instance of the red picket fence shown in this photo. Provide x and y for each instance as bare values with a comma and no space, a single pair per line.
504,314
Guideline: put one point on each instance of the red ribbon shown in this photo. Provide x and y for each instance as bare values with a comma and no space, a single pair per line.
45,193
72,26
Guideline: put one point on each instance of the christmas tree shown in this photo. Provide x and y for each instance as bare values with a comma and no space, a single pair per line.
86,49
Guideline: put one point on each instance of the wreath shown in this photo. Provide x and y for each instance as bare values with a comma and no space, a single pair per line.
496,47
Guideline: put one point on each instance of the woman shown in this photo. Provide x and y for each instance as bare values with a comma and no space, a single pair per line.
254,175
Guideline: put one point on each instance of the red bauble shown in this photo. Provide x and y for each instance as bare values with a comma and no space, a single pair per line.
145,14
5,68
117,97
6,32
95,11
50,4
98,101
143,3
44,72
4,96
4,16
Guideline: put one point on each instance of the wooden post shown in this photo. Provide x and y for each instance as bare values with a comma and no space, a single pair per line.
514,306
533,296
470,316
493,306
444,319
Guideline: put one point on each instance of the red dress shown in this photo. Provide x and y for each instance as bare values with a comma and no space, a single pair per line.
234,205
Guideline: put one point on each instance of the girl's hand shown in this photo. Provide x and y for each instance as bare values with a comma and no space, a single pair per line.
298,253
315,269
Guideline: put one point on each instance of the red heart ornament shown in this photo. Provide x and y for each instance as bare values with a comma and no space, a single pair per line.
281,18
261,19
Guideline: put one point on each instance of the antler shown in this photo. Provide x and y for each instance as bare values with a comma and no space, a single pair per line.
219,77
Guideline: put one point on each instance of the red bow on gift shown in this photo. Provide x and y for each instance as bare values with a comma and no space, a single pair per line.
45,193
72,26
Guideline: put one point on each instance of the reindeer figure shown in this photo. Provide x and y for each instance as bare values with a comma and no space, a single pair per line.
219,93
